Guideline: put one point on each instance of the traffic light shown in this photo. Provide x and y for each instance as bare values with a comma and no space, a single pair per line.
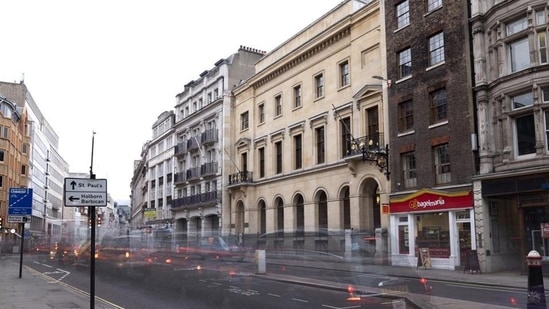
1,222
99,220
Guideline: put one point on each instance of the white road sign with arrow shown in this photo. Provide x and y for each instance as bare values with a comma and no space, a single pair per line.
85,192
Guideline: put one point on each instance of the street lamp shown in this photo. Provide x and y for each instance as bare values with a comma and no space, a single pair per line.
384,79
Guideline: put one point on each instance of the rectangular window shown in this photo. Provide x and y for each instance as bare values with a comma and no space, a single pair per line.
319,86
405,63
433,5
209,97
403,14
409,170
372,116
517,26
436,48
405,116
6,133
1,155
320,147
244,123
442,164
439,109
346,136
261,113
278,156
525,134
540,18
216,94
523,100
297,96
547,130
542,47
520,54
344,77
298,148
278,105
1,181
261,154
23,170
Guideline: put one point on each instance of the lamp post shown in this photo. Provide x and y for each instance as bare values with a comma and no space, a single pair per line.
375,153
91,216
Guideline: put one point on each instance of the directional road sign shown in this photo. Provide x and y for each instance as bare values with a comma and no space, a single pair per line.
85,192
20,204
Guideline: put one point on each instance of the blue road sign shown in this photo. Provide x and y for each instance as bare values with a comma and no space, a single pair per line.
20,202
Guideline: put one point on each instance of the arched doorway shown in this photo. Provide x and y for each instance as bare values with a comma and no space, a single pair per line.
239,224
279,204
345,208
262,217
299,215
369,206
322,211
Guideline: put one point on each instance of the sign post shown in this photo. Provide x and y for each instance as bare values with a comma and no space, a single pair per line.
20,211
90,192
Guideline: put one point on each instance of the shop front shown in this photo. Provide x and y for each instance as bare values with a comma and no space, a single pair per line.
437,222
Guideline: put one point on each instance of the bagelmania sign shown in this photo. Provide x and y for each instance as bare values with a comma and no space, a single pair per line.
428,200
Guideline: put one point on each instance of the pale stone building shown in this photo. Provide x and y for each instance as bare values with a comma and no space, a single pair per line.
298,176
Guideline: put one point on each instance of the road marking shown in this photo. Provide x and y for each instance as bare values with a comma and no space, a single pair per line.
300,300
273,295
496,289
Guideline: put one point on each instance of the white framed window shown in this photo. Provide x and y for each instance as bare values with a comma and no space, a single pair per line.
344,74
519,54
278,105
244,121
433,5
436,49
404,63
522,100
319,86
516,26
439,107
542,47
297,96
261,112
409,169
525,134
442,164
403,14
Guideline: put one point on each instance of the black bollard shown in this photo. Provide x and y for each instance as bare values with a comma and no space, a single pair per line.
536,291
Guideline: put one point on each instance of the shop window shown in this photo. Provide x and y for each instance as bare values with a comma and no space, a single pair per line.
433,233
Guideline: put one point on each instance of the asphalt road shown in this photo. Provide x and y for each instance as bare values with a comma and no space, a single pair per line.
236,287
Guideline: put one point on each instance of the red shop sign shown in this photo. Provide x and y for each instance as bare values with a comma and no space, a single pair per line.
428,200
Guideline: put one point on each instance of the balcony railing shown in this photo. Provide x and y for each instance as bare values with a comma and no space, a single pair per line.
180,178
180,149
208,169
197,200
240,177
192,143
210,136
193,173
368,144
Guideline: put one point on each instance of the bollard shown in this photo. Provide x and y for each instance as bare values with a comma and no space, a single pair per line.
260,261
536,291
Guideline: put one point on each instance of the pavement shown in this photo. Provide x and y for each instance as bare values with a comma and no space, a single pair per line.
34,290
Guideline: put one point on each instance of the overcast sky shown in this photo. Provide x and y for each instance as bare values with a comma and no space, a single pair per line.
113,66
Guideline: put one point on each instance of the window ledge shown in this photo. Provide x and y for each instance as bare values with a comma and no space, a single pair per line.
406,133
435,66
438,124
404,79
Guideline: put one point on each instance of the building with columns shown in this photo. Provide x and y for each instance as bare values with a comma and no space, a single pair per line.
308,140
511,87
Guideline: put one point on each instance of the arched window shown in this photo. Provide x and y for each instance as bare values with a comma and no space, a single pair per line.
322,210
279,216
262,217
299,215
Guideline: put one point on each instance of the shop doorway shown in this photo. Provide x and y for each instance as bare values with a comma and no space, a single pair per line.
463,220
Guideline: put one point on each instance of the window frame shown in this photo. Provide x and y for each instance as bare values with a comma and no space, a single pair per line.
319,85
405,116
244,121
278,105
402,14
298,95
409,168
344,74
404,60
298,151
442,163
320,144
436,49
436,108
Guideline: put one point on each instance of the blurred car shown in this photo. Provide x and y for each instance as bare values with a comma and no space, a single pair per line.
63,253
124,255
218,247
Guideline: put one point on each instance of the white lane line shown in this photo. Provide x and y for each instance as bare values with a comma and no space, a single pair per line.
300,300
332,307
273,295
495,289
